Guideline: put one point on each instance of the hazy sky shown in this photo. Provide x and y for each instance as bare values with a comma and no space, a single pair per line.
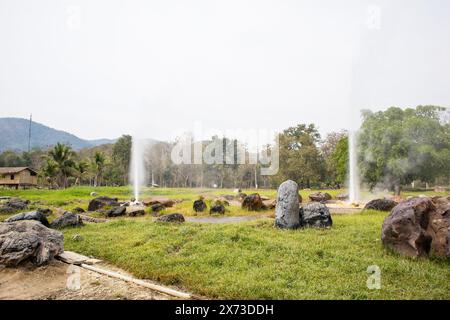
101,68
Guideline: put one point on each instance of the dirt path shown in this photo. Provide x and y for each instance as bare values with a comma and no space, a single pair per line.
50,283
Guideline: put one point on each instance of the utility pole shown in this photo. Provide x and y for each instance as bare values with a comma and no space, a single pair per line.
29,133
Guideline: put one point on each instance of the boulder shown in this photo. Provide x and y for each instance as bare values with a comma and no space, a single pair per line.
381,204
342,197
320,197
78,210
418,227
34,215
28,241
101,202
18,204
93,194
288,206
199,205
134,211
6,210
116,212
173,217
158,207
219,209
253,202
68,219
316,215
166,202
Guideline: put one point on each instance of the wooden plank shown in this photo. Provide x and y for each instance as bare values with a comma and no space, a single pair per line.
165,290
77,259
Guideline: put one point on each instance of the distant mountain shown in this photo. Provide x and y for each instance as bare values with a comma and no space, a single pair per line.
14,136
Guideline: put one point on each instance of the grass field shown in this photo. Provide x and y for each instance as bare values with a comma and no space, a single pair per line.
250,260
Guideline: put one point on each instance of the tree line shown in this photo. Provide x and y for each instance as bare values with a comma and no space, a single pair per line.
395,148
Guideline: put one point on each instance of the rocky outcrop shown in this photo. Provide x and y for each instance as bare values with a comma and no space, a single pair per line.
166,202
253,202
217,209
68,219
320,197
34,215
134,211
199,205
28,241
418,227
173,217
102,202
116,212
288,206
315,215
13,205
381,204
158,207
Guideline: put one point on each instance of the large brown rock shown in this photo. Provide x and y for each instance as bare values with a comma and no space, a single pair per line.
418,227
253,202
28,240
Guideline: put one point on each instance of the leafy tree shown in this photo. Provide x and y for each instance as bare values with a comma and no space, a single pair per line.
300,158
334,149
399,146
121,155
339,160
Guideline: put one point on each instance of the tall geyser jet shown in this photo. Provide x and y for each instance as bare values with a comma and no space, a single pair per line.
137,167
354,194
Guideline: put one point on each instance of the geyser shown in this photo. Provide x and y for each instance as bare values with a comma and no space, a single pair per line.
137,167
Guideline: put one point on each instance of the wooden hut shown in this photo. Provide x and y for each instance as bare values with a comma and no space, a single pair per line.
18,177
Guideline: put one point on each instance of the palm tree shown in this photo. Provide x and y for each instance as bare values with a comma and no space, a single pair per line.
49,172
81,169
98,165
62,155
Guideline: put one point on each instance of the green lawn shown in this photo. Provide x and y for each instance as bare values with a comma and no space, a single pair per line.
250,260
253,260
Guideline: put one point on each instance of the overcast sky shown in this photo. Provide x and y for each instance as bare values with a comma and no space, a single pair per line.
101,68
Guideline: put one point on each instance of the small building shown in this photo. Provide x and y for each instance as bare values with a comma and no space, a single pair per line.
18,177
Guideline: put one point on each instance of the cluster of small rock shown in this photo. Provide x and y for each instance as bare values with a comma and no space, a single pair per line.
290,215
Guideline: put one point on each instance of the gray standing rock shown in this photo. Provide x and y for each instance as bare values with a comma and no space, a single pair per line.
34,215
28,241
316,215
68,219
288,206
